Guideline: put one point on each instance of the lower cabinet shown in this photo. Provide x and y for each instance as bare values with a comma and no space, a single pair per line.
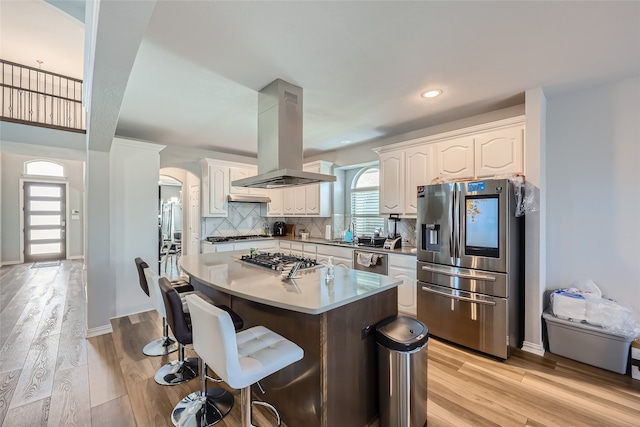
342,257
263,245
404,267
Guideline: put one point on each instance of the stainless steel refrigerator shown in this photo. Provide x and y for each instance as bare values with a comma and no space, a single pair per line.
470,264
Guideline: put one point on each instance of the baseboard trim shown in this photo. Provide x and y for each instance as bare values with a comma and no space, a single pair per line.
100,330
76,257
530,347
11,263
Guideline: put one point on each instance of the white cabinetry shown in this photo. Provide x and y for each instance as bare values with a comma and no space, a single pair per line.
266,245
481,151
419,170
217,176
401,171
404,267
275,207
456,158
215,188
500,151
306,200
391,176
342,257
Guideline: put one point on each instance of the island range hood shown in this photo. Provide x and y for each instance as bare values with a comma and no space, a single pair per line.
280,140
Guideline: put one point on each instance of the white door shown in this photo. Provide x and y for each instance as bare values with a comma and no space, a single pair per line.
194,219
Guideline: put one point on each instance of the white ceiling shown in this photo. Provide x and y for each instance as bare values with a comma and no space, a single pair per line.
362,64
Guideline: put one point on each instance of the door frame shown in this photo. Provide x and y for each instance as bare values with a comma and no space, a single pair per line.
66,214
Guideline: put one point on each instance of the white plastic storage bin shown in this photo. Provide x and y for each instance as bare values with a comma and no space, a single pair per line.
587,344
635,359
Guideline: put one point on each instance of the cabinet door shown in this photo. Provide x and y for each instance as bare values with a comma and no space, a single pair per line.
407,296
216,190
312,199
299,207
343,262
275,206
297,249
418,171
238,173
289,201
500,152
310,250
456,158
208,248
391,180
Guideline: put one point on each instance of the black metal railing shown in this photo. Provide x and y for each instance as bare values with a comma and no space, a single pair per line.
41,98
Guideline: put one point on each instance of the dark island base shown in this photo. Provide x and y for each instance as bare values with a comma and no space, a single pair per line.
336,383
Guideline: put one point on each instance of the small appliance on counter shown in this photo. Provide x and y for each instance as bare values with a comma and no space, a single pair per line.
394,241
279,228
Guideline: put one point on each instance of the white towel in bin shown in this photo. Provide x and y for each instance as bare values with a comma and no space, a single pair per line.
367,259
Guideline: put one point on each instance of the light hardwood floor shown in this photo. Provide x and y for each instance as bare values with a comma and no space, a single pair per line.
50,375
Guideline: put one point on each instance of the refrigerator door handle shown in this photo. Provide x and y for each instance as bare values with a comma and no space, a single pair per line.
460,275
452,227
457,223
459,298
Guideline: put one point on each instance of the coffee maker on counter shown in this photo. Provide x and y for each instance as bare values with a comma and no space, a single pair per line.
279,228
394,241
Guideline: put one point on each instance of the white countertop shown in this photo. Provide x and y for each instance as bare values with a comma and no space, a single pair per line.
309,293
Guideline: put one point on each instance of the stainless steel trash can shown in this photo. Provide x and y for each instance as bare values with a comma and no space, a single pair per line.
402,372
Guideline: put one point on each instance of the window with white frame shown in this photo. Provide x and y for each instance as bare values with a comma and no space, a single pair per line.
365,202
43,168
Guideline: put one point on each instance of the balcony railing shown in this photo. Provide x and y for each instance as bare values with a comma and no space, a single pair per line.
41,98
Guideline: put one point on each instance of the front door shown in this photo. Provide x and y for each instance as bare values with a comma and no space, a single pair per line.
44,221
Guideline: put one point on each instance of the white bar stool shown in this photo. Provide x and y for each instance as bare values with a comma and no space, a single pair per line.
240,359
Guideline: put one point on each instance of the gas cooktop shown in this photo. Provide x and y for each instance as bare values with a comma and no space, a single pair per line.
224,239
278,261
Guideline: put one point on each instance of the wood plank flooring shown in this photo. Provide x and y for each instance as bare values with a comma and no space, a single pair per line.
50,375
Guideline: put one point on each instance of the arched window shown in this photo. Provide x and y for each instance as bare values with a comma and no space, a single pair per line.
44,168
365,202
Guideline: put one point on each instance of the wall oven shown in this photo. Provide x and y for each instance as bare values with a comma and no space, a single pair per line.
470,264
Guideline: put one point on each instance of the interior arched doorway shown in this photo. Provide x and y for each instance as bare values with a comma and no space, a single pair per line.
189,199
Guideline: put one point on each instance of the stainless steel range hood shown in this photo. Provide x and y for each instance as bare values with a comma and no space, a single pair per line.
248,198
280,140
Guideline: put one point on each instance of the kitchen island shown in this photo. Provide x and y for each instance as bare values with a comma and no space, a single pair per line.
333,321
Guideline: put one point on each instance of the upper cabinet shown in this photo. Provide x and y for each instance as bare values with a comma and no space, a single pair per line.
500,151
306,200
391,179
419,170
482,151
217,176
215,188
455,158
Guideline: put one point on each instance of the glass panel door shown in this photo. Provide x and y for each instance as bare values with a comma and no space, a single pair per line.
44,222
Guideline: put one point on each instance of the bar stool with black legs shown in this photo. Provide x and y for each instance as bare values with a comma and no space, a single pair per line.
240,359
165,345
181,370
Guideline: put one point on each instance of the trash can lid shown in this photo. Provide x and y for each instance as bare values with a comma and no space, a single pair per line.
402,333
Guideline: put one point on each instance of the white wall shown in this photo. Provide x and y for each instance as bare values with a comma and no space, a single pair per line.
134,171
12,172
593,194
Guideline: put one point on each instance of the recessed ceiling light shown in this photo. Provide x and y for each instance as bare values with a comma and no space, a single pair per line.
431,93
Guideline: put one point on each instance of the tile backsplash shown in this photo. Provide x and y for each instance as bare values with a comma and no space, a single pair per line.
244,218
